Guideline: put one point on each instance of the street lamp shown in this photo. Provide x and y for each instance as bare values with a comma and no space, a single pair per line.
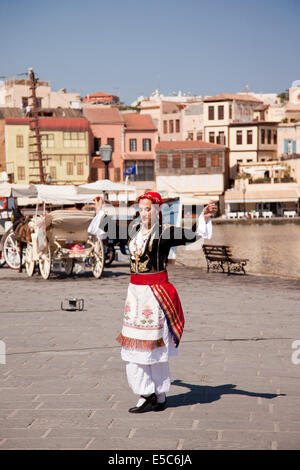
106,153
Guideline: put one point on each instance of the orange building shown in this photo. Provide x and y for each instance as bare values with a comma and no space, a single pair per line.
102,98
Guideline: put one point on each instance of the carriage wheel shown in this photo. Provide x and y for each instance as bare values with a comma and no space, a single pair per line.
29,262
97,260
45,263
69,265
11,251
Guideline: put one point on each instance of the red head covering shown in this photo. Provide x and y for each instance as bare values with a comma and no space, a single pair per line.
153,197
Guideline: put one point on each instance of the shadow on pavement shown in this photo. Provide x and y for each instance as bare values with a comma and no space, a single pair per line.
209,394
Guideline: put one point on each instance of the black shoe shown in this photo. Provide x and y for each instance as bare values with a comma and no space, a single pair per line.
149,400
160,406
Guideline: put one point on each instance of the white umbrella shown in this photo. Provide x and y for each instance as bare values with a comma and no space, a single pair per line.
61,194
103,186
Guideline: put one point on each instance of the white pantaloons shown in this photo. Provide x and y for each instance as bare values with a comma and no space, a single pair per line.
145,379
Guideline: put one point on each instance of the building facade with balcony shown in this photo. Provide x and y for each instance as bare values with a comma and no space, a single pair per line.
140,139
193,169
222,110
251,142
65,150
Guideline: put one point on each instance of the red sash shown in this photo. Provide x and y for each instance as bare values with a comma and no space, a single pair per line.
168,299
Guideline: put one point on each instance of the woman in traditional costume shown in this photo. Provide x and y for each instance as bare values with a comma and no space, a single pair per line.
153,318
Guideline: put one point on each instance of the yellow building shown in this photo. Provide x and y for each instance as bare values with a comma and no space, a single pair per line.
65,150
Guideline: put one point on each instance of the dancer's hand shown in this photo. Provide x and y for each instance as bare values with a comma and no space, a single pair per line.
209,211
98,203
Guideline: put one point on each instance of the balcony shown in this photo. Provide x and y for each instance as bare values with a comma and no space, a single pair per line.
287,179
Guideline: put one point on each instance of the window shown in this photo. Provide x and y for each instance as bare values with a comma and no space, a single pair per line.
163,161
199,135
221,138
262,135
220,112
117,174
97,145
190,136
70,168
211,137
111,142
230,111
189,161
147,145
171,126
177,124
176,163
215,160
132,145
165,127
25,101
202,161
21,172
144,169
53,172
269,136
249,137
211,113
239,137
80,169
74,139
47,140
39,102
275,138
19,141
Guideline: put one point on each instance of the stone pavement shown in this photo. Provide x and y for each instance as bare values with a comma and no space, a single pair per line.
234,383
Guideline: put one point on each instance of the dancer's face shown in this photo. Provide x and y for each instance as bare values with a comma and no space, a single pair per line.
148,213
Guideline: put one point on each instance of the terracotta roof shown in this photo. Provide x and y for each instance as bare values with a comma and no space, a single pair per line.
186,145
232,97
138,122
17,121
261,107
100,93
10,113
102,115
64,123
49,123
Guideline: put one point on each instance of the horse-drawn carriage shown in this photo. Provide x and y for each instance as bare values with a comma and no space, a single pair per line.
61,238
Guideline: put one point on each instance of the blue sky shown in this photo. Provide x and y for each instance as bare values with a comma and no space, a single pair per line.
134,46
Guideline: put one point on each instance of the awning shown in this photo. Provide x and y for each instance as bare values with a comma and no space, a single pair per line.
17,190
199,200
263,195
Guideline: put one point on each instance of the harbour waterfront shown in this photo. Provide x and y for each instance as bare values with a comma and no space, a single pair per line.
235,384
272,247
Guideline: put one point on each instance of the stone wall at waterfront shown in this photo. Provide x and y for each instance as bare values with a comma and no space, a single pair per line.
272,247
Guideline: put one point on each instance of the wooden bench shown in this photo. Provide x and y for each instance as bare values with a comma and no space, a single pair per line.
219,255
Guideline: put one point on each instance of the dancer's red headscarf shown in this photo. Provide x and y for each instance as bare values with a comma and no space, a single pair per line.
153,197
156,199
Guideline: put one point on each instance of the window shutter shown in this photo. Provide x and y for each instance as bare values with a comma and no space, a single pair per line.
294,146
285,148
